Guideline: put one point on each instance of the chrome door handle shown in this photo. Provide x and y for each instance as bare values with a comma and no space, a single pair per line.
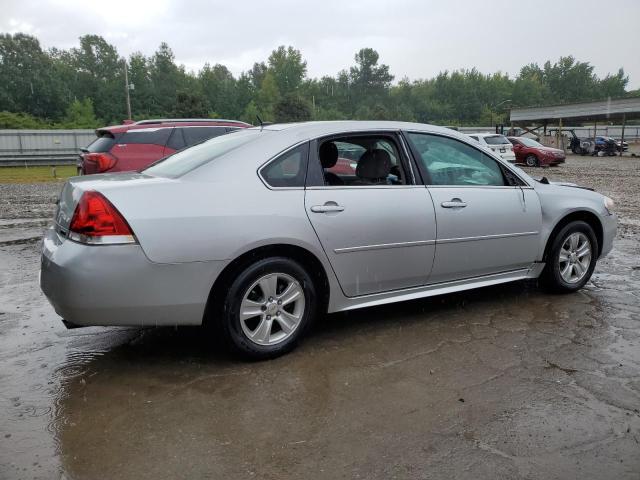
454,203
327,208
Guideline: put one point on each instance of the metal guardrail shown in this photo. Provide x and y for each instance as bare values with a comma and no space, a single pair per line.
42,147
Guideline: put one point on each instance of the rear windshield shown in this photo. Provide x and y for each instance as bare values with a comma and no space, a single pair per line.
191,158
497,140
101,144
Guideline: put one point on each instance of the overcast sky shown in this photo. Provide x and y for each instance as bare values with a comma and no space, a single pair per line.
415,38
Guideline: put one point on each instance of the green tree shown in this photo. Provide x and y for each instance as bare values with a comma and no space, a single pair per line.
251,113
189,105
219,90
613,86
41,88
292,108
80,114
267,97
142,93
529,88
165,78
369,81
98,74
21,121
570,81
288,68
28,80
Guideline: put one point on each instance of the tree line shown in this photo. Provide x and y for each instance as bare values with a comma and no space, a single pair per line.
84,87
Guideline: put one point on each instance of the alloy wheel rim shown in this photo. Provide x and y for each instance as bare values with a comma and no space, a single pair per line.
272,309
575,257
531,161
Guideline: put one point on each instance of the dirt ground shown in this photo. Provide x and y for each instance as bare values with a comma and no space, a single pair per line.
503,382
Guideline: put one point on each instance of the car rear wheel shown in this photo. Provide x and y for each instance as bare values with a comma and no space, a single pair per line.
532,161
268,307
571,258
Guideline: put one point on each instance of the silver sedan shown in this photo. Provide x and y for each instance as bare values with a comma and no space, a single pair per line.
261,230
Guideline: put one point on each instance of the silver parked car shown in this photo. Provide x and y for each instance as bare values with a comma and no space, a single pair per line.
260,230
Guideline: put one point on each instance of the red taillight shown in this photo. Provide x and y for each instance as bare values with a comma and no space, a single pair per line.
96,220
104,161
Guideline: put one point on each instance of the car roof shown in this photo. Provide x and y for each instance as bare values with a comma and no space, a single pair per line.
318,129
173,122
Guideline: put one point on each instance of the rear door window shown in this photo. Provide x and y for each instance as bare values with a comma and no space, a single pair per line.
150,136
361,160
193,135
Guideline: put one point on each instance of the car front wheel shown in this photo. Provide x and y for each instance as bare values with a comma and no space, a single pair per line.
571,258
268,307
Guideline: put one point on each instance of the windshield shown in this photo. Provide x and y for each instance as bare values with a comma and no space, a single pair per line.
497,140
530,142
191,158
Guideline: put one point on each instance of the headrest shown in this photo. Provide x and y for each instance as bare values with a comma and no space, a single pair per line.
328,154
374,164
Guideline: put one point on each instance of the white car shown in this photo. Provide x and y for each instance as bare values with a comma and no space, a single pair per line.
497,143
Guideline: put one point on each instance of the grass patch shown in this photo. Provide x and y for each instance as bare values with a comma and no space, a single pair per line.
36,174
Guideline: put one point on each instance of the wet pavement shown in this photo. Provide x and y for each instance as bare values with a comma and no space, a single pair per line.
502,382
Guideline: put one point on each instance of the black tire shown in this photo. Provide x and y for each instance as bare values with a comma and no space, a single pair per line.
577,150
532,161
230,312
551,277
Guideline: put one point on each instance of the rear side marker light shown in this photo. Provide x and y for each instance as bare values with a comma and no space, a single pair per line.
96,221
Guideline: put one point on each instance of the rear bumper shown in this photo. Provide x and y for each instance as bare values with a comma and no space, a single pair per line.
118,285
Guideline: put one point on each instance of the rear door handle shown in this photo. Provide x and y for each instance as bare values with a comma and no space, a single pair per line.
327,208
454,203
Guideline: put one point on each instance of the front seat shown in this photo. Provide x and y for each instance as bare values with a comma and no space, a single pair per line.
328,158
373,167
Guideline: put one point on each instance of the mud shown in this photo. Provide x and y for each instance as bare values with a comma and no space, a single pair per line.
502,382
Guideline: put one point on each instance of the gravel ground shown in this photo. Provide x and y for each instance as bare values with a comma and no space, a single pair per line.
505,382
28,200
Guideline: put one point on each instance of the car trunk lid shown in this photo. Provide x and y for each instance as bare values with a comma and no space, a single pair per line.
76,186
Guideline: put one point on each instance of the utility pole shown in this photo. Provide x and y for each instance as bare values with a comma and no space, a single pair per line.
126,89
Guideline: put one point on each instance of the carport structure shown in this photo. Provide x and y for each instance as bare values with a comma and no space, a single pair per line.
533,119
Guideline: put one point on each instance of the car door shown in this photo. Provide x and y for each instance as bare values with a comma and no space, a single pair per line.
489,220
376,225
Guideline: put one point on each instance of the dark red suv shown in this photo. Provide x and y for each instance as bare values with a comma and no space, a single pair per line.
133,146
